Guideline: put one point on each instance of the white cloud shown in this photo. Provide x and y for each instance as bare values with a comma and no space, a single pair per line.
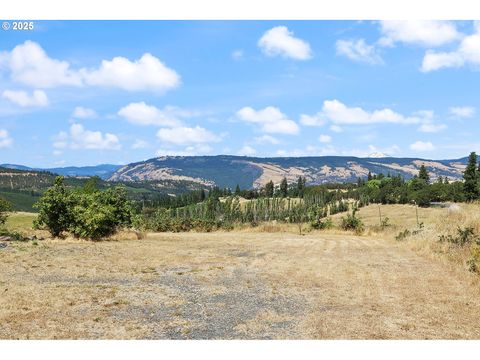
247,151
5,139
463,111
38,98
29,64
420,32
358,50
194,150
325,138
280,41
140,144
339,113
336,128
312,120
147,73
432,128
80,138
187,135
237,54
422,146
142,114
81,112
271,119
467,53
266,139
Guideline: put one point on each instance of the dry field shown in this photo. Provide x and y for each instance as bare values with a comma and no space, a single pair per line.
251,284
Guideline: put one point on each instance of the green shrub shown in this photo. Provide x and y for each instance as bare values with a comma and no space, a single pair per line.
463,237
4,208
402,235
55,209
351,222
86,213
321,224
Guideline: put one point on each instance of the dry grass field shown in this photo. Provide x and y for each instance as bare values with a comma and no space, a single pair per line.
263,283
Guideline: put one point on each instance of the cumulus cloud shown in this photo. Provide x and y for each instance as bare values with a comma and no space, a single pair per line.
37,98
140,144
266,139
247,151
339,113
183,135
422,146
312,120
432,128
237,54
462,111
80,138
358,50
325,138
29,64
147,73
271,120
199,149
81,112
142,114
336,128
5,139
467,53
427,33
279,41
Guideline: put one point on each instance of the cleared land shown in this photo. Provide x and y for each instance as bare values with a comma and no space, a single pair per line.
237,285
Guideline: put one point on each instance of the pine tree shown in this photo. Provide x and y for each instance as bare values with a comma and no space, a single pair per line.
423,174
369,177
471,177
284,187
269,189
300,186
237,190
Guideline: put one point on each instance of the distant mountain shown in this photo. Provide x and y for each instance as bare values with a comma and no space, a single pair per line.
103,171
248,172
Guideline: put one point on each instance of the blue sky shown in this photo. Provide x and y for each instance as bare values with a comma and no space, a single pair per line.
91,92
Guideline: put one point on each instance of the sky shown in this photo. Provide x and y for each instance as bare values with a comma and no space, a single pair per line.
93,92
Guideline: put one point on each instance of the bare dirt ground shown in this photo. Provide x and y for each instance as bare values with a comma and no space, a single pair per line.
236,285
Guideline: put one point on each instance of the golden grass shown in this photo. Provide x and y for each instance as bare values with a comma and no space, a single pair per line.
20,221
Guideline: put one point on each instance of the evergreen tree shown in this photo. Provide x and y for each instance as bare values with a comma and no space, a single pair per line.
471,177
237,190
269,189
202,195
423,174
284,187
369,177
301,186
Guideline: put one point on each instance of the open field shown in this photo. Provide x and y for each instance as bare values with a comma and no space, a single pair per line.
244,284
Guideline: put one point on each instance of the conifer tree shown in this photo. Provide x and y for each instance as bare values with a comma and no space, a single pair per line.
284,187
423,174
237,190
269,189
471,177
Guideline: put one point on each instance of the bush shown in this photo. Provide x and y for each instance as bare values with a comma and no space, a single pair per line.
86,213
321,224
4,208
351,222
55,209
463,237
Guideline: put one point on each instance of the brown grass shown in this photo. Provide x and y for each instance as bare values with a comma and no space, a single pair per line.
265,282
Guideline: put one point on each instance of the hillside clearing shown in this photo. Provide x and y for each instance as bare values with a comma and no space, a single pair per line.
242,285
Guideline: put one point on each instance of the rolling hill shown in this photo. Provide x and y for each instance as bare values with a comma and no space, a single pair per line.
248,172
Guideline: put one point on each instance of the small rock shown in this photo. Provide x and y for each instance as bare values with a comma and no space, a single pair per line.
3,246
6,238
